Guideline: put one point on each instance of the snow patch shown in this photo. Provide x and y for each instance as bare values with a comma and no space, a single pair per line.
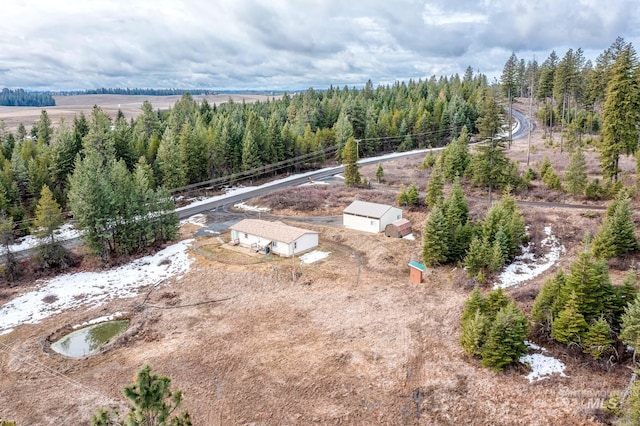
197,219
526,266
409,237
64,233
248,208
99,320
542,366
90,289
314,256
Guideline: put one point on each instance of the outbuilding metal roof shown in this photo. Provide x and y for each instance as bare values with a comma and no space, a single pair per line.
274,231
367,209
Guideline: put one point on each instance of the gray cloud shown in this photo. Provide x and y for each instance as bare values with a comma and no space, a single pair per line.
282,44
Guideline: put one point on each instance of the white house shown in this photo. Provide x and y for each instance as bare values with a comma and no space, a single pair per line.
369,217
273,237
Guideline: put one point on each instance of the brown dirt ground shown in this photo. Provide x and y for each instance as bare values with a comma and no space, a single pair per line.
67,107
351,341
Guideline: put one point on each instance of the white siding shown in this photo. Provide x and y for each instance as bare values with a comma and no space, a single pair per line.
390,216
361,223
302,244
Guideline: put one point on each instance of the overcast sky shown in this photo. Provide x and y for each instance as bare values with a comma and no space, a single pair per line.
289,44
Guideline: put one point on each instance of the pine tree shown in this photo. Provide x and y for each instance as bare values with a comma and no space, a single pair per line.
48,218
170,162
570,326
504,344
548,303
402,199
435,244
477,257
456,157
379,173
473,333
597,340
456,207
152,403
589,282
545,167
630,325
10,270
616,236
495,301
620,114
475,302
435,188
413,197
457,214
350,162
576,176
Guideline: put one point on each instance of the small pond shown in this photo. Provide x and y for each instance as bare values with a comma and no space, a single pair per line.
89,340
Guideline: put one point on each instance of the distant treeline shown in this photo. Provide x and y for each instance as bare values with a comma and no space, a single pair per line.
20,97
136,91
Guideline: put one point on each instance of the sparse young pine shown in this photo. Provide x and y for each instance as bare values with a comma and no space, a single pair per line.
456,156
152,403
435,188
548,304
569,327
590,283
48,216
430,160
413,197
379,173
545,167
631,414
473,333
350,162
576,177
10,270
597,340
456,207
616,235
475,302
402,199
435,240
495,301
630,324
496,259
48,219
626,293
552,180
477,257
504,344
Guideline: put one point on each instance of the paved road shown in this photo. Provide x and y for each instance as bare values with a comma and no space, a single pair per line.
522,128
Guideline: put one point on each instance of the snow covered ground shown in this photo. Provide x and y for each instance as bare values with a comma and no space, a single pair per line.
527,266
64,233
248,208
197,219
542,366
314,256
90,289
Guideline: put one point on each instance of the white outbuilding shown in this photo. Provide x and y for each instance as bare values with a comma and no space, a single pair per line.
369,217
273,237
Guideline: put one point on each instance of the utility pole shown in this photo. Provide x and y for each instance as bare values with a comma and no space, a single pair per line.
530,110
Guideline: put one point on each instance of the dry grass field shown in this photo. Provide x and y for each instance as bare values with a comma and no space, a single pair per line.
67,107
350,341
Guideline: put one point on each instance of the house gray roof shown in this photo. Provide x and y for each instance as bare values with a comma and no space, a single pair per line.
274,231
367,209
